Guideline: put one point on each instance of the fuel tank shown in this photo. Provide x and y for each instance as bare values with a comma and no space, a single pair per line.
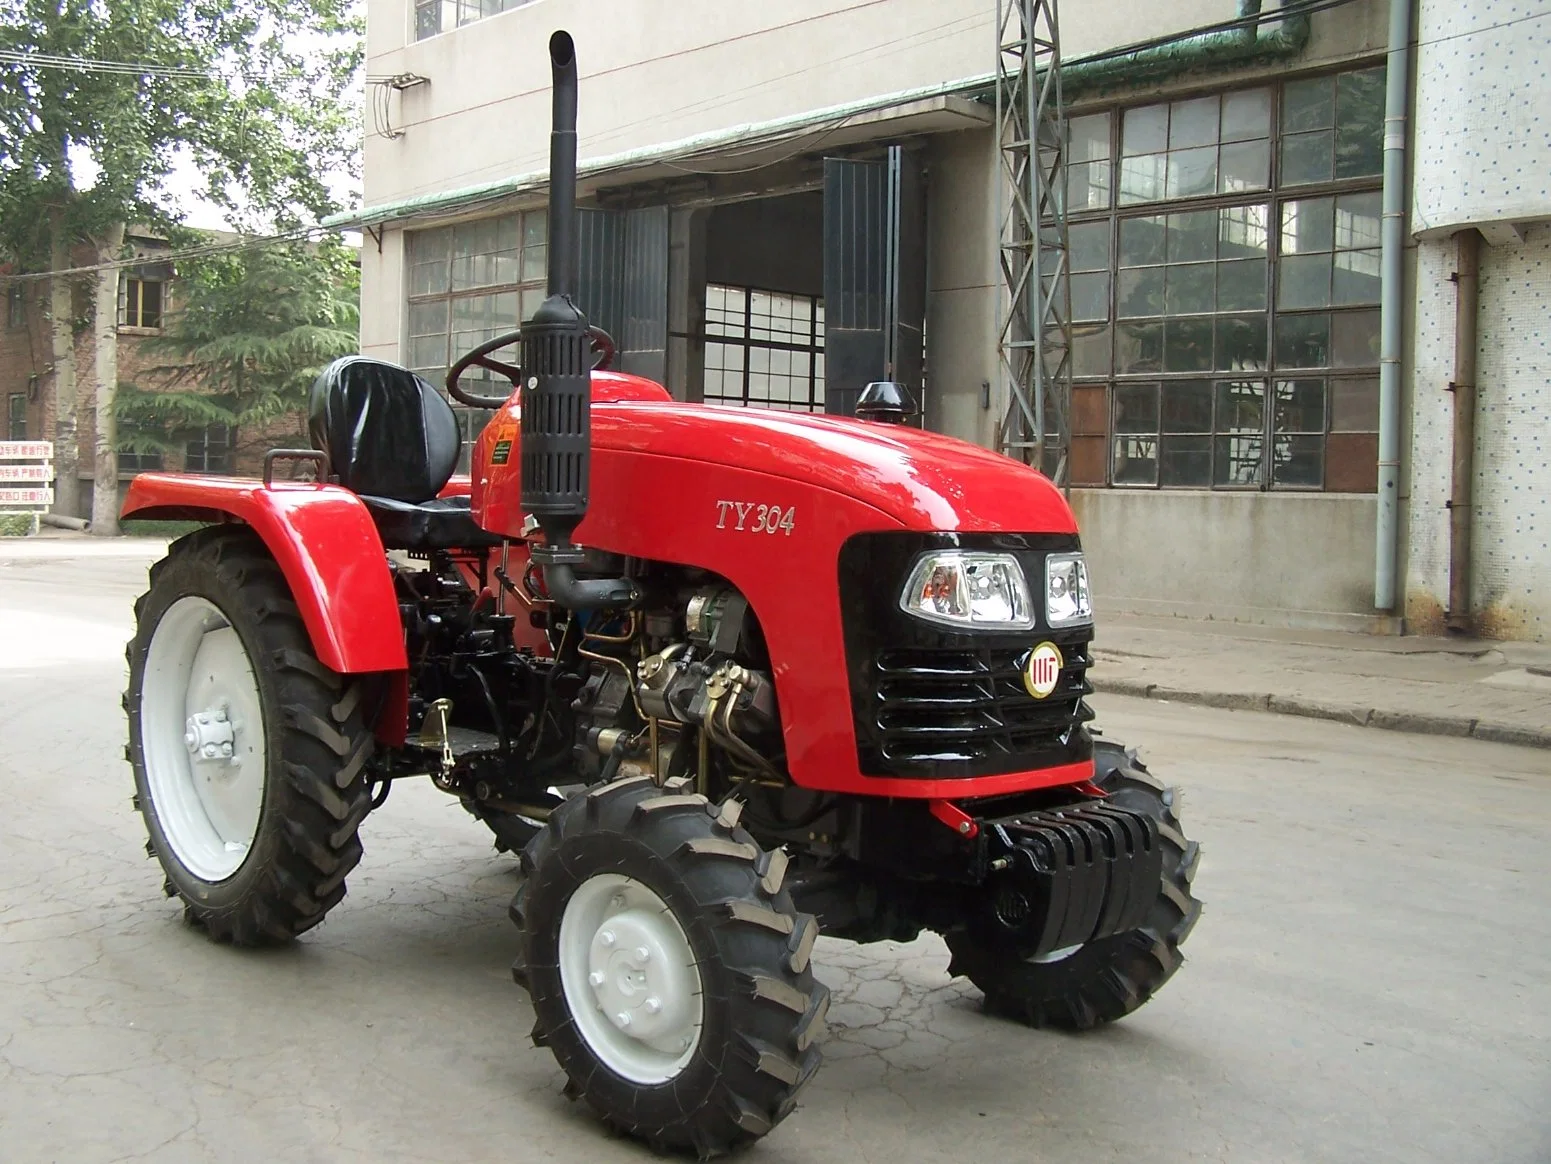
766,500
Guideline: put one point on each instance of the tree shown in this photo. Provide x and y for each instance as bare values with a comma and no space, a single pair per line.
254,92
251,333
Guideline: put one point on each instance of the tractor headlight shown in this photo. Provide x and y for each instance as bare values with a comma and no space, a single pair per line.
966,589
1067,601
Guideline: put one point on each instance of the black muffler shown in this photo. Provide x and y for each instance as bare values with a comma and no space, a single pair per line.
557,377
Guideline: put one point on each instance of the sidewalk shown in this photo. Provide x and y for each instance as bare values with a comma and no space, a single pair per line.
1456,687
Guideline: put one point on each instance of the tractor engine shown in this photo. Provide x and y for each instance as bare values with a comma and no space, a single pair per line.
698,669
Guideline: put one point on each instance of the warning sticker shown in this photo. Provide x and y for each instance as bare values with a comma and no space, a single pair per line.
501,453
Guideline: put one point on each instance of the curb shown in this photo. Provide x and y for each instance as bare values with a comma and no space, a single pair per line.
1395,721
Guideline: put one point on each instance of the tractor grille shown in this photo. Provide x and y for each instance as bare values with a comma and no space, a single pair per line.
969,706
930,702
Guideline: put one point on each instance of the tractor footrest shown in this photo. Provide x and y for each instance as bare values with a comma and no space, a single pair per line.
1076,874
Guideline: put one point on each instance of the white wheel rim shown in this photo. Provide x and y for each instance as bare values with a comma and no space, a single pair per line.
202,738
630,979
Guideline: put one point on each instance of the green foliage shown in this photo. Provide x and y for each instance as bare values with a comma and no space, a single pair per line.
262,107
250,333
17,525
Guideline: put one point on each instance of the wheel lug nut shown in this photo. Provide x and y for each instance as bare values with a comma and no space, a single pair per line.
642,954
226,750
209,751
622,1018
606,938
619,901
653,1005
597,977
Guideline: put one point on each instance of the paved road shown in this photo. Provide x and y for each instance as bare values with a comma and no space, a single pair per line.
1372,980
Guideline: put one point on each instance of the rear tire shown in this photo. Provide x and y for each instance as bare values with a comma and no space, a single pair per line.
1107,979
258,842
741,1008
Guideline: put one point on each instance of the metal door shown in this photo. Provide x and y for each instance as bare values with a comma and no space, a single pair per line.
874,276
622,284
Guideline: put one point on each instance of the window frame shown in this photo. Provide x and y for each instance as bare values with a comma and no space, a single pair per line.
745,339
457,7
16,306
128,297
225,450
1274,196
12,420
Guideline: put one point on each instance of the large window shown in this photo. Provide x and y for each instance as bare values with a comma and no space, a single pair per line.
16,417
470,283
436,16
1225,282
16,306
210,450
764,349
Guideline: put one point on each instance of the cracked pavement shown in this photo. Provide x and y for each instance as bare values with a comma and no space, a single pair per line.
1371,980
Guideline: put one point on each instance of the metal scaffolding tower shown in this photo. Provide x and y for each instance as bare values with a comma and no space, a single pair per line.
1034,337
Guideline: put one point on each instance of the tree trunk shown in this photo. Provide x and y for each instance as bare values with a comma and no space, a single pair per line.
67,470
105,338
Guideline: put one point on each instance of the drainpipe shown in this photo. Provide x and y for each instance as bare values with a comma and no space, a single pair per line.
1392,303
1466,267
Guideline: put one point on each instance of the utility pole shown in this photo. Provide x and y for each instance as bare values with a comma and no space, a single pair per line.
1034,334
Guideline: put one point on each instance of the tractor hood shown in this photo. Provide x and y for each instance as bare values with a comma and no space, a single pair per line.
920,479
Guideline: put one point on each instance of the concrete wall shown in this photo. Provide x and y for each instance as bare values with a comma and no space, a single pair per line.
1274,558
1483,140
1511,542
653,73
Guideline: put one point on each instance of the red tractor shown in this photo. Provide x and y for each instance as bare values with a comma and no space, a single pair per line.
808,675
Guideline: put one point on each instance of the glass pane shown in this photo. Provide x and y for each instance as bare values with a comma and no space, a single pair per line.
1090,351
1242,231
1190,289
1187,345
1357,221
1139,347
429,246
1306,157
428,278
1241,406
1088,138
1192,237
1307,225
1302,341
1140,292
1354,405
535,228
1090,296
1087,186
1244,166
1193,123
1299,406
1308,104
1141,178
428,318
1141,241
1191,172
1356,278
1187,406
1354,339
1303,281
1298,461
534,260
1144,130
1241,285
1088,246
1360,123
1136,461
1239,460
1136,408
428,351
1186,460
1241,344
1246,115
531,298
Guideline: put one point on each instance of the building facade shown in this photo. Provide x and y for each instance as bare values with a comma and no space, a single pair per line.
742,165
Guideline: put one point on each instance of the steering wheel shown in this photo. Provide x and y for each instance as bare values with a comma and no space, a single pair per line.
602,344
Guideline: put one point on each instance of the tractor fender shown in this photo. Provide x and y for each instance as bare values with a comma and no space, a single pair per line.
324,541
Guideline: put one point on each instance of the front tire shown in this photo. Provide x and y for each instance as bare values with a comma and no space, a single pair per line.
669,971
1108,979
249,754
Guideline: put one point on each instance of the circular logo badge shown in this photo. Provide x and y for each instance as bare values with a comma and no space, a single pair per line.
1042,671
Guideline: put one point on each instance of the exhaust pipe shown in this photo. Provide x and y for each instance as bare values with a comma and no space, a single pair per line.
557,377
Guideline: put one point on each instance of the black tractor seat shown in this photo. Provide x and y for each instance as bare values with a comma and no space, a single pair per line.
392,438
